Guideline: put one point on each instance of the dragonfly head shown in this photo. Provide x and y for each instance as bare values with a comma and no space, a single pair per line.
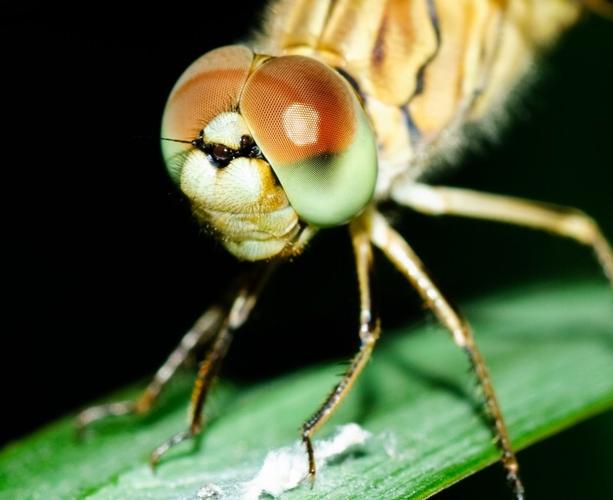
262,146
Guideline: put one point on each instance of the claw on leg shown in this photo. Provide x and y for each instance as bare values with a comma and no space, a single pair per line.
101,412
171,442
312,471
516,485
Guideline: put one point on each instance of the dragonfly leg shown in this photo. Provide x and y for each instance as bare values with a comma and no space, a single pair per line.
561,221
239,311
402,256
369,333
205,328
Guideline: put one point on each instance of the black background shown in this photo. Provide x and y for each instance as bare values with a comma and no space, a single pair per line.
104,267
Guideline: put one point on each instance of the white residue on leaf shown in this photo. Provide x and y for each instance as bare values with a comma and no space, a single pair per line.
285,468
390,444
209,491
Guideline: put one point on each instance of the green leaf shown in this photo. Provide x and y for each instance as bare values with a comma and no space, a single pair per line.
549,348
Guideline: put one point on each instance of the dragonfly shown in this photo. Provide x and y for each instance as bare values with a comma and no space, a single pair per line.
335,107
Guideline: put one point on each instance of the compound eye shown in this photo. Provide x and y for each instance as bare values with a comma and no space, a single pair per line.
308,122
209,86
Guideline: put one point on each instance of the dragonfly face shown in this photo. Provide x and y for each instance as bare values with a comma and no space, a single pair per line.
267,146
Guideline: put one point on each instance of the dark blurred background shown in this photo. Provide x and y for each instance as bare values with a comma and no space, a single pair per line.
104,267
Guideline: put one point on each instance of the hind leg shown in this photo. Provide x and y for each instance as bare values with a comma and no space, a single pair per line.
406,261
560,221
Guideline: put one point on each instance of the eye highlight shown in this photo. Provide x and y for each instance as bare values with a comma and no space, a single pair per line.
315,134
301,124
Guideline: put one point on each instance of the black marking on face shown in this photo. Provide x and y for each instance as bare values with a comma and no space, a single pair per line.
249,148
221,155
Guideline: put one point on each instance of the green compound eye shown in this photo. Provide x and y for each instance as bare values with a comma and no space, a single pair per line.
310,126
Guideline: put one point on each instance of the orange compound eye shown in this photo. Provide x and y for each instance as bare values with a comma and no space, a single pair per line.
300,109
209,86
313,131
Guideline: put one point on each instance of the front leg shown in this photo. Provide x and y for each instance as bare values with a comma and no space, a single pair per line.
242,305
213,324
369,333
205,328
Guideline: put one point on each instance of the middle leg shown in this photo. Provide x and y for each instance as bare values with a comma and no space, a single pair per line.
369,333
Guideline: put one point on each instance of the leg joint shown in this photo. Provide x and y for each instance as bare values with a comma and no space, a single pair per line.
370,331
580,226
